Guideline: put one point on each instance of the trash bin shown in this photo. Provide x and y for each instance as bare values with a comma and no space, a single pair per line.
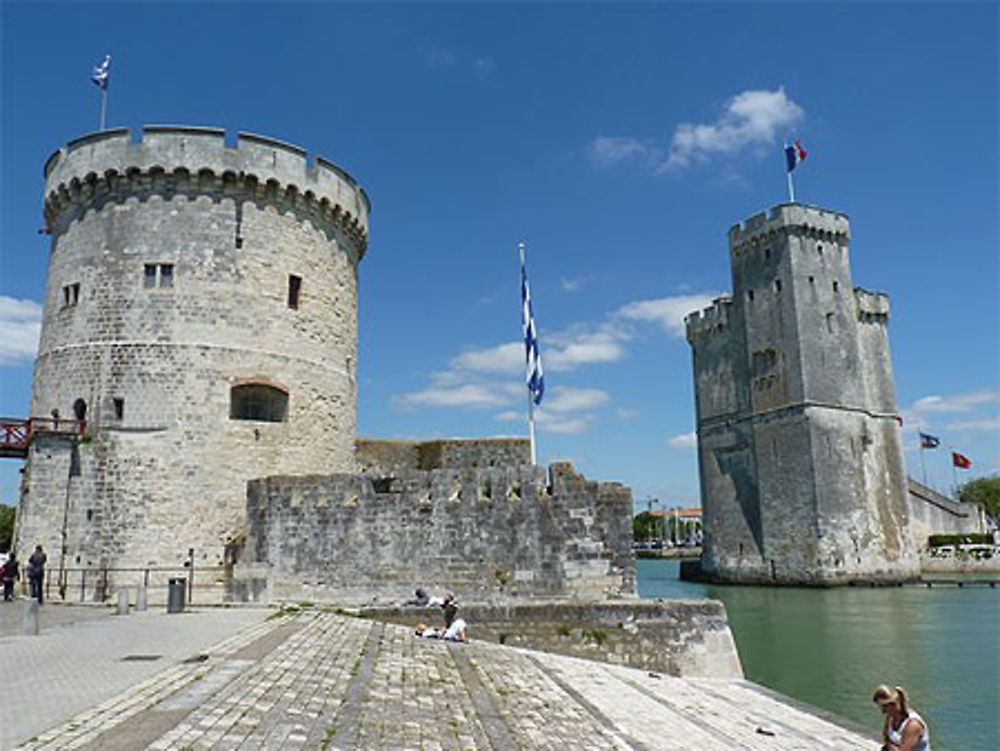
175,595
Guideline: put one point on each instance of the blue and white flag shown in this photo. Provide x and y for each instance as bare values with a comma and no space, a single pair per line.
929,441
794,155
101,72
533,359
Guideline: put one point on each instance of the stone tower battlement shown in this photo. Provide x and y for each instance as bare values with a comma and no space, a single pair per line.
711,320
201,316
785,219
191,161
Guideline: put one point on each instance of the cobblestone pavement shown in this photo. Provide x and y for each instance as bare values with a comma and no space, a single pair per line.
318,680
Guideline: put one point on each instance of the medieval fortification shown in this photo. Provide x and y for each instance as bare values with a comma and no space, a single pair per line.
200,330
800,455
194,403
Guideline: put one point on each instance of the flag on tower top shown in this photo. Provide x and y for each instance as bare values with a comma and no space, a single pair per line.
101,72
794,155
929,441
961,461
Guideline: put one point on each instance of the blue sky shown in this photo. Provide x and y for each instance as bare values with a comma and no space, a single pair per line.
620,142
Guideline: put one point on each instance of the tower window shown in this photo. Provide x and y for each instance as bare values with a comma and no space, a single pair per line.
750,295
836,287
777,285
767,252
811,280
294,287
119,405
258,402
158,275
819,249
71,294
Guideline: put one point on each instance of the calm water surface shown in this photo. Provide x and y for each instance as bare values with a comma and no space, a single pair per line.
831,647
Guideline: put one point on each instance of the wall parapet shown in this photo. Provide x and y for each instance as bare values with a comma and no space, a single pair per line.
711,320
789,218
95,163
487,534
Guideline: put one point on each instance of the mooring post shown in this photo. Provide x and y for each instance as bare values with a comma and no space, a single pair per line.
29,617
123,601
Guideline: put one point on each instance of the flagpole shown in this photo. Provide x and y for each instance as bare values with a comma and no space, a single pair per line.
791,189
923,462
531,402
104,106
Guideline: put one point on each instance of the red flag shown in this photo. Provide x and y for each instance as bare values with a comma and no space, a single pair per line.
960,461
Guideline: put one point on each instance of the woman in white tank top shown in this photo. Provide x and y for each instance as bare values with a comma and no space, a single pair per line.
904,729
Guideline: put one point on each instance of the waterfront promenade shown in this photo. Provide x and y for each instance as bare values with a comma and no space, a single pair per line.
238,678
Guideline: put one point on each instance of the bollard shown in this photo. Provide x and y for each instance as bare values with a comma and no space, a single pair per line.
29,618
123,601
140,599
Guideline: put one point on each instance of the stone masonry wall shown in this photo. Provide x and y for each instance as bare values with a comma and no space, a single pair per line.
164,468
387,457
484,534
689,638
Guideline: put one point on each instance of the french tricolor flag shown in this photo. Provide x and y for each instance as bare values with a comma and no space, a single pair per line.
794,155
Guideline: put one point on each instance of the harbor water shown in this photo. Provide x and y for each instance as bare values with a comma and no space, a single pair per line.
831,647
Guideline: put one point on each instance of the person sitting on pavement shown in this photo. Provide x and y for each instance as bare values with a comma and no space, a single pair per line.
419,599
904,729
456,631
428,632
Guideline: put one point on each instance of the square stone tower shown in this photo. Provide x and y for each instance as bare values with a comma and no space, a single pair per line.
799,448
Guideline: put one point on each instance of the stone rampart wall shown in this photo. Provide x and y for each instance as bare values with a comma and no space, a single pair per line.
934,514
484,534
388,457
689,638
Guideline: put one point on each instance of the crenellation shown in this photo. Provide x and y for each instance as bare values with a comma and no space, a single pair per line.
788,219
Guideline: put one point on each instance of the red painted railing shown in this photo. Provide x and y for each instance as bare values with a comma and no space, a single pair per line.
16,434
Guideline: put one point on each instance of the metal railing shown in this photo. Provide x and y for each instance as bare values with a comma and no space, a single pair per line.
98,583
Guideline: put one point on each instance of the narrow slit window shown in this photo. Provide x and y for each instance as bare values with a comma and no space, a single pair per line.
836,287
119,405
750,295
71,294
294,288
777,285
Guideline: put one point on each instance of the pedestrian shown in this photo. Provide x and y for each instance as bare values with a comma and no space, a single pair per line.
10,573
36,573
904,729
450,608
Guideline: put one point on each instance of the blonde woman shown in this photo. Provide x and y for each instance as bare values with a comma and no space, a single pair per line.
904,729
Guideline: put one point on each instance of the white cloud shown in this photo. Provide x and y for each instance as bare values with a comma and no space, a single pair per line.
20,326
610,151
569,350
956,402
669,312
751,119
546,420
571,285
503,358
988,423
626,413
568,399
467,395
683,441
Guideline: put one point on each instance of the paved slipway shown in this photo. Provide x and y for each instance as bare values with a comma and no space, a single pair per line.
235,678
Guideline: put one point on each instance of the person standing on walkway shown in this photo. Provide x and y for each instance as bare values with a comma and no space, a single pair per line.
36,573
904,729
10,573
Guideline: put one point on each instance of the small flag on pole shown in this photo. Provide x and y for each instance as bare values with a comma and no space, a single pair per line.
794,155
533,359
929,441
102,72
960,461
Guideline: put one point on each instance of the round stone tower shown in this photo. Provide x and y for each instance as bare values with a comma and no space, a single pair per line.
201,323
